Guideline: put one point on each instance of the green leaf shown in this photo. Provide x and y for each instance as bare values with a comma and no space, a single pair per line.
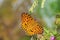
25,38
58,38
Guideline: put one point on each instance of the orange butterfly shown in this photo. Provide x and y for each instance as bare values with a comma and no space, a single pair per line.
30,25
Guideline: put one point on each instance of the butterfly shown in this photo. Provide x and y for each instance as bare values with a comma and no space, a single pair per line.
30,25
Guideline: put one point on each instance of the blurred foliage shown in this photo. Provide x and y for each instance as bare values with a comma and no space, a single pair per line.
58,3
51,8
54,6
25,38
48,13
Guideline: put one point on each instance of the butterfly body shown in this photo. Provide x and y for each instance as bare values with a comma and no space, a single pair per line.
30,25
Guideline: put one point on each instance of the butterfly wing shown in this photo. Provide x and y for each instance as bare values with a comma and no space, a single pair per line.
29,25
